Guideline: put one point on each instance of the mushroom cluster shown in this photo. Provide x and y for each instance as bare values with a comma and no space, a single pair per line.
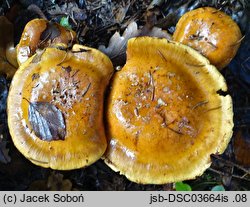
164,113
55,102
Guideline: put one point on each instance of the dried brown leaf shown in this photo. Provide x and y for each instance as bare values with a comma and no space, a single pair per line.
117,44
121,12
155,32
47,121
50,33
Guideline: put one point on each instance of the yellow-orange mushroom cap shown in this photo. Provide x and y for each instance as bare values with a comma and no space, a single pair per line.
211,32
164,114
69,85
39,34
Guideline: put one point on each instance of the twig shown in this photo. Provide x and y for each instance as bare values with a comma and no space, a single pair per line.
153,86
225,174
75,83
26,100
162,56
72,38
136,111
173,130
199,104
195,37
75,73
8,4
213,45
246,174
212,109
86,89
238,42
228,162
202,65
62,59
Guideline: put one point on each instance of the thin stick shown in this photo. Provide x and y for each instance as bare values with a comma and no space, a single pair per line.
86,89
224,174
162,56
173,130
199,104
228,162
212,109
153,86
63,59
238,42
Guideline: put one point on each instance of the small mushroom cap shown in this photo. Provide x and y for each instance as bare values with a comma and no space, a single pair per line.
211,32
73,82
40,33
164,115
8,62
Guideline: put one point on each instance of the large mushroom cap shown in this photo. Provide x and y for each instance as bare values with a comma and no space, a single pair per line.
165,115
55,107
211,32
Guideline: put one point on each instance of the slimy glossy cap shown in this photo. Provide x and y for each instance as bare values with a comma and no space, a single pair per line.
211,32
55,107
165,116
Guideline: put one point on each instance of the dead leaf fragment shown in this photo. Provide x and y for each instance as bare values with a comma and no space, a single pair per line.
121,11
116,48
47,121
50,33
117,43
